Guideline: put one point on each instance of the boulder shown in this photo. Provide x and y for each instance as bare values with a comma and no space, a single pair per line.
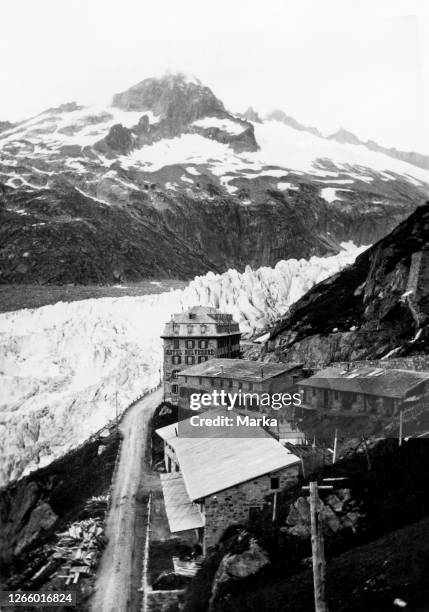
41,520
241,565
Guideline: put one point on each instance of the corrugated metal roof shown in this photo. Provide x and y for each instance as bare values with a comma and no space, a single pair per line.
368,380
241,369
167,432
210,465
182,514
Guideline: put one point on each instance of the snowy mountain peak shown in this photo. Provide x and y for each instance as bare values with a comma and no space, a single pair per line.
282,117
344,136
251,115
172,94
168,182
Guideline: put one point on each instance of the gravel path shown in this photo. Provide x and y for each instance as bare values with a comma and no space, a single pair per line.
119,574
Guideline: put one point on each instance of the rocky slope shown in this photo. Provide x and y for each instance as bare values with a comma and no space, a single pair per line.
377,307
417,159
166,182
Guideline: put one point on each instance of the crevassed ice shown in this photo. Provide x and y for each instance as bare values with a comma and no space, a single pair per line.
63,364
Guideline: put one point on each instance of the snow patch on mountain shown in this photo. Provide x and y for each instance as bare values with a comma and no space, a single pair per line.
232,127
83,126
61,365
329,194
284,185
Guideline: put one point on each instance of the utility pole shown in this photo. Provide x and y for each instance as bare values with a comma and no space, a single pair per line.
317,546
318,552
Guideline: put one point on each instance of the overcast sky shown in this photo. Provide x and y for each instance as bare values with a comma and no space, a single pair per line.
354,63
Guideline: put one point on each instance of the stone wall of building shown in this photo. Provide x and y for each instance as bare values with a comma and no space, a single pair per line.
170,459
283,383
192,356
232,506
180,354
357,403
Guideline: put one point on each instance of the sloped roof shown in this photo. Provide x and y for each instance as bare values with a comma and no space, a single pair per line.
202,314
167,432
182,514
241,369
367,380
212,464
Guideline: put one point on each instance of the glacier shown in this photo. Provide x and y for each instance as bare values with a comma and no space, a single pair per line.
65,368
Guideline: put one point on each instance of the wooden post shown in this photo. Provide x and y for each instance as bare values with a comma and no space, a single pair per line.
334,455
318,552
401,425
368,460
274,506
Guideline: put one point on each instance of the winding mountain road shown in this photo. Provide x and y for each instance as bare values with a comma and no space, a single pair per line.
119,574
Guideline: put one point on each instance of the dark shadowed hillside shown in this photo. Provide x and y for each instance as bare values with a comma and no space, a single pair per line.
376,307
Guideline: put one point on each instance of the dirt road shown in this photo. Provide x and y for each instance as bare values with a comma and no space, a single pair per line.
118,577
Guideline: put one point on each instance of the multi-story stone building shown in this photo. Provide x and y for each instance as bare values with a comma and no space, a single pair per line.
364,390
193,337
251,378
214,482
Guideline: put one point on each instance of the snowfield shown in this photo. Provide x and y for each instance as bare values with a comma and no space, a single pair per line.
62,365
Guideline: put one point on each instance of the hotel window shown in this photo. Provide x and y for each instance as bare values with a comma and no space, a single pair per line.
192,315
176,359
186,379
190,360
230,383
176,328
174,389
190,329
336,395
203,329
174,374
250,386
212,382
274,482
200,381
190,344
200,359
176,343
314,391
203,344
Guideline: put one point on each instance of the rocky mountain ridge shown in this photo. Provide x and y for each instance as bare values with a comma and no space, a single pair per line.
166,182
377,307
344,136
